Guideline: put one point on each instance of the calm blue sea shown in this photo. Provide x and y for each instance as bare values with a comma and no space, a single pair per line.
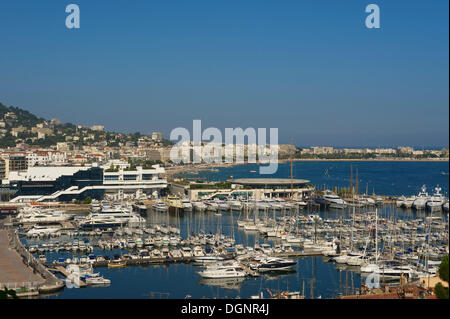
384,178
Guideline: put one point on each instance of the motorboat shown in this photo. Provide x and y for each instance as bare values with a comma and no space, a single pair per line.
223,264
212,206
122,214
274,264
223,272
187,206
199,206
366,201
38,230
97,280
394,272
93,222
235,205
400,202
334,201
224,206
436,201
140,207
159,206
409,201
36,215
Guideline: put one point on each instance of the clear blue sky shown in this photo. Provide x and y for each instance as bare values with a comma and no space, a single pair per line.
310,68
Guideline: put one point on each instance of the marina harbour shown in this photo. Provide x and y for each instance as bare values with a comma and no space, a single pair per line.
318,246
311,275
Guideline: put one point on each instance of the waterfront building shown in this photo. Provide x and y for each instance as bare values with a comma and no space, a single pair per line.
254,188
273,187
67,183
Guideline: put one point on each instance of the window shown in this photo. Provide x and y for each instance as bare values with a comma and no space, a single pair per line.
111,177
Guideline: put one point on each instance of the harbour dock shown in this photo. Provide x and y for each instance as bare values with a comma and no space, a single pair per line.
14,272
20,270
62,270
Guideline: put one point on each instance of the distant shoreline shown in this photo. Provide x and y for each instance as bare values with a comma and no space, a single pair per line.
366,160
204,166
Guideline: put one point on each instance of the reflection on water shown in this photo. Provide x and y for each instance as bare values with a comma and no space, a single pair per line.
226,283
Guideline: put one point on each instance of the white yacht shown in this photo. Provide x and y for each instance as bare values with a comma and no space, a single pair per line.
223,272
122,214
97,280
42,230
437,200
366,201
334,201
199,206
355,260
409,201
187,206
111,216
394,272
223,206
159,206
212,206
400,201
36,215
222,265
235,205
100,222
421,200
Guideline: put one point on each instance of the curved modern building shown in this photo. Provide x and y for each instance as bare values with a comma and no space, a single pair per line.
273,183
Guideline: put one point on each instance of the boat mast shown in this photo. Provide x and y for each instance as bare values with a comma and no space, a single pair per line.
351,181
292,175
376,236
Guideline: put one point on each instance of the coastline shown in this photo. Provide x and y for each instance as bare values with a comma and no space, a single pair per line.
367,160
170,171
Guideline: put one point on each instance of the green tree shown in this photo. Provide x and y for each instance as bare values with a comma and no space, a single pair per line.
87,200
4,294
441,291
